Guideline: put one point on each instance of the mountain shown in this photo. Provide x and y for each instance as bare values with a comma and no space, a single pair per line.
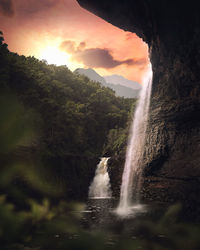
91,74
123,91
120,89
120,80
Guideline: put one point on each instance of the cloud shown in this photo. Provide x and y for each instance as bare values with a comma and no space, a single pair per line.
30,8
6,7
26,7
81,46
96,57
99,58
68,46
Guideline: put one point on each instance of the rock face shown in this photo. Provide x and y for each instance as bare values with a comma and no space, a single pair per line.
172,31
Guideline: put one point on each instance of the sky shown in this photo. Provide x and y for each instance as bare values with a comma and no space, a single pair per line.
61,32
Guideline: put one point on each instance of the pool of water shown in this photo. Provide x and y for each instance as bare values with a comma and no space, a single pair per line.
146,226
101,215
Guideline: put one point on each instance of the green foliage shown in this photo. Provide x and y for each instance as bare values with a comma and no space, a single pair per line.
117,138
21,169
116,141
76,113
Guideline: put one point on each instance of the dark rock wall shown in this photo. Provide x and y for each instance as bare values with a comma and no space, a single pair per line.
172,31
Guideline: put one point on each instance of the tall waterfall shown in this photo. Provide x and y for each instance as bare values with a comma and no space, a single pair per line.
132,175
100,186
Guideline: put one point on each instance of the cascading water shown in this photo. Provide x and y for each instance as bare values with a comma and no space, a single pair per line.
100,186
132,175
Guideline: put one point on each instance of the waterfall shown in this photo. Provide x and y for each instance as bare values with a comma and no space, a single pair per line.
100,186
132,175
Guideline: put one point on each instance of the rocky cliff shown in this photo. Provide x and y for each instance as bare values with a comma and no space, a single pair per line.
172,31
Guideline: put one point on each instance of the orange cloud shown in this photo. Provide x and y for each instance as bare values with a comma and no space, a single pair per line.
6,7
96,57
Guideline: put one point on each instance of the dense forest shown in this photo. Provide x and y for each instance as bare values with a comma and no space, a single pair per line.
73,120
76,113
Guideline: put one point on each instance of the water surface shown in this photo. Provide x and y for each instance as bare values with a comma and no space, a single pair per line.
100,215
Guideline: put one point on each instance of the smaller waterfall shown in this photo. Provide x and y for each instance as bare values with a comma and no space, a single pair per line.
100,186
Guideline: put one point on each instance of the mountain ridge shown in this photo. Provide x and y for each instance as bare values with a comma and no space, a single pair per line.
123,90
118,79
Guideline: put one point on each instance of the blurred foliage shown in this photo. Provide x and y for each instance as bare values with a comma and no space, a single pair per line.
19,132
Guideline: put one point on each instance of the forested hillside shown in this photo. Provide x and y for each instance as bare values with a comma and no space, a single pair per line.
76,118
77,113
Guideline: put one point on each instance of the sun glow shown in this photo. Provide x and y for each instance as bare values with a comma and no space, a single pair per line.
54,55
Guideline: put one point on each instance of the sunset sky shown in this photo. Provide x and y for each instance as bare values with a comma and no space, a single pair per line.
61,32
